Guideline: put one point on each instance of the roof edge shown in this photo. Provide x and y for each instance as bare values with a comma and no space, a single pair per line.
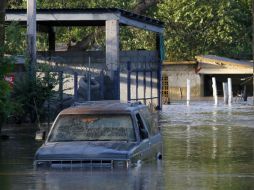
123,12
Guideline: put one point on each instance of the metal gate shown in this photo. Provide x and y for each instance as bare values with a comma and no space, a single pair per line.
144,79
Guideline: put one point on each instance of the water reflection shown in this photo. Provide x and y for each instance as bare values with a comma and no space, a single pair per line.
17,172
214,132
188,141
137,178
218,148
214,145
205,147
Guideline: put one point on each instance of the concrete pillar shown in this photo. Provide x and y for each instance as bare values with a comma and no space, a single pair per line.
31,36
225,92
215,94
188,91
112,46
160,49
230,94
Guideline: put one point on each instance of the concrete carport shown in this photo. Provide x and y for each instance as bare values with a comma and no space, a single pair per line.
136,74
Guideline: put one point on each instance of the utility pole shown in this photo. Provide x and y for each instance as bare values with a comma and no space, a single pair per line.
31,37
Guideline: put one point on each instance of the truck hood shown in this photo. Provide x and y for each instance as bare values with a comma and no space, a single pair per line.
84,150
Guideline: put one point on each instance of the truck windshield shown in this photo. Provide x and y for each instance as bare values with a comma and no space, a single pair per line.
93,128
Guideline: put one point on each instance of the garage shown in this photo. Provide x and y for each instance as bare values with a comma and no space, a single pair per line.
222,68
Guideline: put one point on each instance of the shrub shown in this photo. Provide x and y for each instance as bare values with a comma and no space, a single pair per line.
30,95
5,90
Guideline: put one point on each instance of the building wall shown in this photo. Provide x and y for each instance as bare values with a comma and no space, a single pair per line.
206,67
177,80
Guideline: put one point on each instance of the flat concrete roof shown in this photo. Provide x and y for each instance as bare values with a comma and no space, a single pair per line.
86,17
218,60
165,63
212,64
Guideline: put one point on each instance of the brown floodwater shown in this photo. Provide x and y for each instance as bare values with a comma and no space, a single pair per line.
205,147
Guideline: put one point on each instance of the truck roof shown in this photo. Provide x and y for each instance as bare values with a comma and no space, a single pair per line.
99,107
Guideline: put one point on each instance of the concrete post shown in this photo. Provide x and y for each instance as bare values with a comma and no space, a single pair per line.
188,91
31,36
160,49
215,94
230,95
225,92
112,46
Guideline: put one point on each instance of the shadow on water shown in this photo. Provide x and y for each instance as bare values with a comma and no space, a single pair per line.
205,147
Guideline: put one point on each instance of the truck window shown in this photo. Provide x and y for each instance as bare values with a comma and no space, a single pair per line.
149,121
143,133
101,127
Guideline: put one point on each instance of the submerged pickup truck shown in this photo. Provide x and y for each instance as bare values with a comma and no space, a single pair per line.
101,134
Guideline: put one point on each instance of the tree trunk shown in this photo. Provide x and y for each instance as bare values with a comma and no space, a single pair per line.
143,5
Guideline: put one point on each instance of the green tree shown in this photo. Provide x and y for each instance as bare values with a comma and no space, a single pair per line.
192,27
15,43
195,27
89,37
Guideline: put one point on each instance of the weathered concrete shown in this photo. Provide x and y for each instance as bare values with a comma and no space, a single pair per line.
177,76
112,44
211,64
200,73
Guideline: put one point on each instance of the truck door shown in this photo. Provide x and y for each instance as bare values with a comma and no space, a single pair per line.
145,144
